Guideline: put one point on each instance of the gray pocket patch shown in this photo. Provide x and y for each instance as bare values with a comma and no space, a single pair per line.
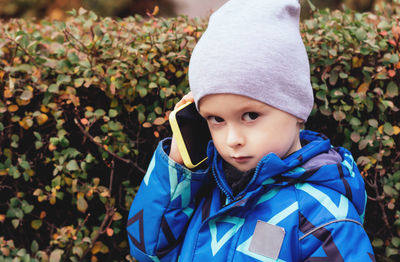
267,240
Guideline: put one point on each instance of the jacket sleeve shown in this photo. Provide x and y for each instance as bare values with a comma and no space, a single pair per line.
338,240
162,208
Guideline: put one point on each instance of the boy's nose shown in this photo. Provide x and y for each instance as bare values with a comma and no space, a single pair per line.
234,137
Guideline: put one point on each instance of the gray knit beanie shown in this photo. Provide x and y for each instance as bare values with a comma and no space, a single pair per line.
254,48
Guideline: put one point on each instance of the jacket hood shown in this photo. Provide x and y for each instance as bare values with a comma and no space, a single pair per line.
317,162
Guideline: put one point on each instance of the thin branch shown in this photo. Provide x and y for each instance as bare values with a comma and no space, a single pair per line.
69,35
109,214
25,51
380,198
71,243
111,176
91,138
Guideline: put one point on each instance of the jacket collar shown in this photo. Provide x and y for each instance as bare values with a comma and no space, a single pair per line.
271,169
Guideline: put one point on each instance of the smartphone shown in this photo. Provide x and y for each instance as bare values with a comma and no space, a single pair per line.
191,132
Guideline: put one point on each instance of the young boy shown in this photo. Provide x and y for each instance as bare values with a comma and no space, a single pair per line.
269,192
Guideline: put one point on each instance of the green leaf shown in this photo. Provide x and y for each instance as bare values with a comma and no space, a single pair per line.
63,79
77,251
73,58
361,34
162,81
89,158
99,113
339,115
55,256
26,207
54,141
81,204
15,223
396,242
26,95
391,251
388,128
153,85
141,117
72,165
392,90
377,242
14,172
390,191
112,113
142,91
373,123
38,144
53,88
25,164
355,122
34,246
79,82
36,224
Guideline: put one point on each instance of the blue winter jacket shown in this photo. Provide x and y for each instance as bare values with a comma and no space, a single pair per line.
306,207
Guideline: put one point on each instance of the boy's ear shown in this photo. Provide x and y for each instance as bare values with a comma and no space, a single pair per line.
301,123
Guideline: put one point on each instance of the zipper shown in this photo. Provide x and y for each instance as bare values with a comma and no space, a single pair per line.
226,193
220,186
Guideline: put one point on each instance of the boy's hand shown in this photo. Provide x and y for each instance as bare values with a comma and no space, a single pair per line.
174,152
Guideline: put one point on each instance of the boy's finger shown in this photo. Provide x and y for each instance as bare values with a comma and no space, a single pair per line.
187,98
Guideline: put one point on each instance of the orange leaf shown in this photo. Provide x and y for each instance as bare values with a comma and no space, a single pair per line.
363,88
26,123
383,33
396,32
171,68
159,121
44,109
357,62
156,10
41,119
96,247
146,125
84,121
22,102
109,232
12,108
7,93
42,214
188,29
392,42
52,147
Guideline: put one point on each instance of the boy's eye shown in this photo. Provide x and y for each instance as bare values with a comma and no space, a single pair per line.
215,119
250,116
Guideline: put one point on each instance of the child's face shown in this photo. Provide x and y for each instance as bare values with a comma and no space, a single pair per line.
244,130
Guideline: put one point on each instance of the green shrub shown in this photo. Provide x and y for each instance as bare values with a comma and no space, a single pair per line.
83,104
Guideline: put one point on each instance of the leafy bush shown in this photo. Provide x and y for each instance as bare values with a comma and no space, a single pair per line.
84,103
355,64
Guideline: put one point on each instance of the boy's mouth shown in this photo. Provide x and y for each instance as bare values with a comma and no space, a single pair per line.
241,159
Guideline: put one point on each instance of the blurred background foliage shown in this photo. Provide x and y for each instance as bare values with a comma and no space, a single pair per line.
84,102
55,9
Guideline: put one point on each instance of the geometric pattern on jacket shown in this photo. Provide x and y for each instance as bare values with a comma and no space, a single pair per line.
289,211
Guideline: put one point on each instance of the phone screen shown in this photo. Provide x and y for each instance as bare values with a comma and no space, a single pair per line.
195,133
